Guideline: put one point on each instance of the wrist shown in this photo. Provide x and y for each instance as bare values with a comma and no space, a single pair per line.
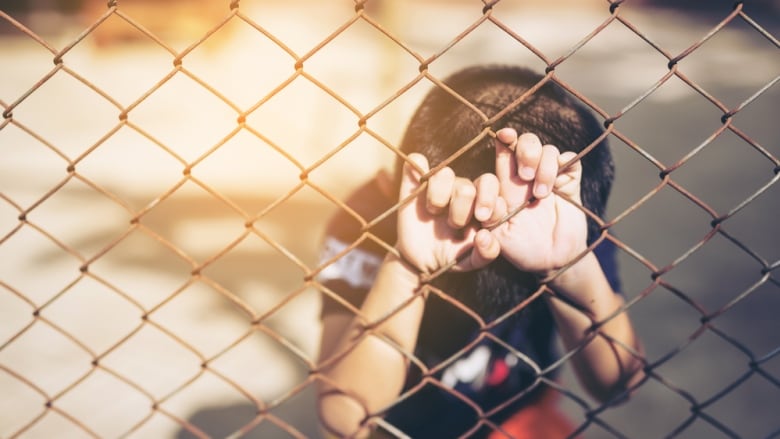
585,284
395,304
569,278
403,273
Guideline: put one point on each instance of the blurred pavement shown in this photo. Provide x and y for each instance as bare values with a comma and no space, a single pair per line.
142,273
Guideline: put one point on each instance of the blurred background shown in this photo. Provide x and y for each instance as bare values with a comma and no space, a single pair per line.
167,168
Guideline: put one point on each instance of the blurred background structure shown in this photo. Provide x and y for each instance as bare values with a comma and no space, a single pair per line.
167,168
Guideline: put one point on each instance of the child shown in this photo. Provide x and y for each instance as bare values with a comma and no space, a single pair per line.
413,359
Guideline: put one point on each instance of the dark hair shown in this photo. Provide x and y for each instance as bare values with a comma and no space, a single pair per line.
443,124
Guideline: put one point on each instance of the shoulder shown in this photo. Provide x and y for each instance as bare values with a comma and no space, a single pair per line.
350,254
362,206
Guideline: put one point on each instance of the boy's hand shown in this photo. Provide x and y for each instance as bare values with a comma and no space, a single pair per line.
436,228
550,232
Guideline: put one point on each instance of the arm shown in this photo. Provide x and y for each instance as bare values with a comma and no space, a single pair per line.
432,231
364,370
604,367
351,392
548,235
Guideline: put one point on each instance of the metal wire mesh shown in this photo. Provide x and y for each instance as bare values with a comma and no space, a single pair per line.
161,206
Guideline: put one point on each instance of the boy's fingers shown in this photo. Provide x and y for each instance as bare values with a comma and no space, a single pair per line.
500,210
528,154
505,167
546,171
507,137
461,202
440,188
512,188
487,193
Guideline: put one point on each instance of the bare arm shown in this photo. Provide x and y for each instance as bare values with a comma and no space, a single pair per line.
604,365
549,235
365,369
369,372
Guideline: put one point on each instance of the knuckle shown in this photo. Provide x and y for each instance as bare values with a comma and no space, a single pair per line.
487,181
446,173
465,190
442,176
437,200
435,205
528,138
550,150
416,160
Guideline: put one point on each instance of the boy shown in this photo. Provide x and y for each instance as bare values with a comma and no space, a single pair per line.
505,220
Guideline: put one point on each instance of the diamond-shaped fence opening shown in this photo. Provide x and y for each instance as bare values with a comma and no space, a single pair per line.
37,154
93,402
703,168
133,188
94,314
168,171
59,262
207,117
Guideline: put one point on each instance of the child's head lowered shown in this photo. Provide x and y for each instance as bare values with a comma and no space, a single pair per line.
443,124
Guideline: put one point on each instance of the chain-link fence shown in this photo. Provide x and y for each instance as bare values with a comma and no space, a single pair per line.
168,169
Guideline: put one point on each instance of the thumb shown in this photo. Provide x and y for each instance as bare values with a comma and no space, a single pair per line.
486,249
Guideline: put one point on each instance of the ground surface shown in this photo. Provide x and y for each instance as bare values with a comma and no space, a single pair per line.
80,257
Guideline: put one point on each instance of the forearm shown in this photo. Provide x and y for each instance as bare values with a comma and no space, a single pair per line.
365,369
603,364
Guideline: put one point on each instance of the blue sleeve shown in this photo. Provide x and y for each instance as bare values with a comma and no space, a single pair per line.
606,253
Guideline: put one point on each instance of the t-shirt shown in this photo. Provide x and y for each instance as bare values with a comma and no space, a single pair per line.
480,371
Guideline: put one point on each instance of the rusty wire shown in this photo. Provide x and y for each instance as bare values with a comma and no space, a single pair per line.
258,322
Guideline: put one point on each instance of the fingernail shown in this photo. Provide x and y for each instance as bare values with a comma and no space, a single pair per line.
541,190
481,213
526,172
506,136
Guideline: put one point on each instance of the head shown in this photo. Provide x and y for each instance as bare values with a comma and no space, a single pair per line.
443,124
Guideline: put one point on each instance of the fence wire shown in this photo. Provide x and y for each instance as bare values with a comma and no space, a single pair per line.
147,291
